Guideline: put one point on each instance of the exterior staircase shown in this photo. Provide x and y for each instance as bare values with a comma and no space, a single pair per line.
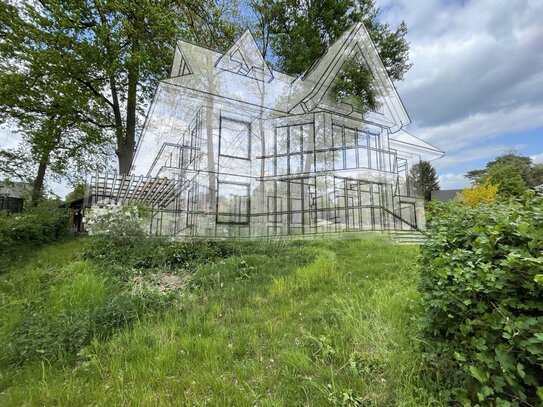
407,236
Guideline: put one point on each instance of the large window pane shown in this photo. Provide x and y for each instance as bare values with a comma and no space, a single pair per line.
295,164
338,135
362,139
363,161
295,145
233,203
235,138
350,158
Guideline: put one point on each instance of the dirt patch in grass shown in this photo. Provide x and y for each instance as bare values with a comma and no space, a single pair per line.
161,282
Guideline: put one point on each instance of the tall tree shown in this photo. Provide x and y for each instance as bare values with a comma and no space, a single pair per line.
425,179
531,174
300,31
109,54
58,126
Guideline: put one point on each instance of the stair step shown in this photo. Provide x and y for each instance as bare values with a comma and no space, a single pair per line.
407,237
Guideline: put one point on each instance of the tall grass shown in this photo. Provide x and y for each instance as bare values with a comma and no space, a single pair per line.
322,323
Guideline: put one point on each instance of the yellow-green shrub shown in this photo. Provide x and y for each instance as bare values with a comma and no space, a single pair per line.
478,195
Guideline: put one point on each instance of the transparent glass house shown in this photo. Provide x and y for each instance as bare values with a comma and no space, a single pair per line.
232,148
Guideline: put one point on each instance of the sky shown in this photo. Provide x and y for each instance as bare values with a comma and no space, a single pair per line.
476,86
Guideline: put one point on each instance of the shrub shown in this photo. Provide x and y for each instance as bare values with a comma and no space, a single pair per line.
43,224
483,194
119,238
508,178
148,253
114,221
483,304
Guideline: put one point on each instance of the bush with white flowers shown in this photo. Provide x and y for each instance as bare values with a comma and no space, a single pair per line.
116,220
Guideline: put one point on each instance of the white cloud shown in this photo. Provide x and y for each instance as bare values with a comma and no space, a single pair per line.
461,157
453,181
538,158
461,134
478,68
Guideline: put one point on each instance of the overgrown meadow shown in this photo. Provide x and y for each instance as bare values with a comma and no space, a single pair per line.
115,319
161,323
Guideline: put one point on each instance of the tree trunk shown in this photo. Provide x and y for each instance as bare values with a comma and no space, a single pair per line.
126,141
37,188
129,142
125,155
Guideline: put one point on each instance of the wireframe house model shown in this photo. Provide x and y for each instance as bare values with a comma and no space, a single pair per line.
232,148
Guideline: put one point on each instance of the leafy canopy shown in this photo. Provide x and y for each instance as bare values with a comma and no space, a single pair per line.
61,131
508,178
77,74
354,85
300,31
506,169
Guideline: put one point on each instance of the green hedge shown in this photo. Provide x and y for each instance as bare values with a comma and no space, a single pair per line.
43,224
483,296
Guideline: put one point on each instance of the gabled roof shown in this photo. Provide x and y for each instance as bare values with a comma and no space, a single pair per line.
233,75
240,76
354,43
408,142
244,58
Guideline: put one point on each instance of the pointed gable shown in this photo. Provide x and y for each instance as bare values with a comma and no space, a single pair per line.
354,43
244,58
181,65
184,68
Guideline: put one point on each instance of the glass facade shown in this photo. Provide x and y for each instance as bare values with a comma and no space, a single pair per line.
233,149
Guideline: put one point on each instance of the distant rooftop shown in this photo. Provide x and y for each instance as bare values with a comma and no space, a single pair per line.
446,194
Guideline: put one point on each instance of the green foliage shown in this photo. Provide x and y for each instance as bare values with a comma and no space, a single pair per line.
531,174
75,75
42,336
299,32
354,85
344,398
122,310
483,304
71,309
42,224
425,179
124,256
60,130
39,337
508,178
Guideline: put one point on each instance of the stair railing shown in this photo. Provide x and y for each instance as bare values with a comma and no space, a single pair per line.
411,225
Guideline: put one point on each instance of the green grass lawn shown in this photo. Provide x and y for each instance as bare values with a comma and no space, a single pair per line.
275,324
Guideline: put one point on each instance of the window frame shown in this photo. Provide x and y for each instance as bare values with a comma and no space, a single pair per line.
249,132
234,215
